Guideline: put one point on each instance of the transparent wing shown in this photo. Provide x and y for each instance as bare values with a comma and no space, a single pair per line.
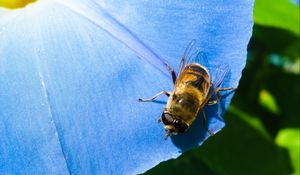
194,54
100,17
189,52
217,74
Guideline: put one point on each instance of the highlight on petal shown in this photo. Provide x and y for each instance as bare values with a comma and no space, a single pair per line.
70,79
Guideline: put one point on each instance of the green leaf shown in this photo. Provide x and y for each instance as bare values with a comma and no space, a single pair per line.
188,163
289,138
252,121
277,13
241,149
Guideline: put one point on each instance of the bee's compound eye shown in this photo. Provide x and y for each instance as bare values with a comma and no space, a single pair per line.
177,123
180,125
167,118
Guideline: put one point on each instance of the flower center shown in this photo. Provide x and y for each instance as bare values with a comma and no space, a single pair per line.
14,4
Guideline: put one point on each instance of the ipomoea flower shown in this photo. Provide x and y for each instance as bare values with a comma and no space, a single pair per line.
70,79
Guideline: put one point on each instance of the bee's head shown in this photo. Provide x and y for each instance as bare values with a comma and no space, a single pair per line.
172,124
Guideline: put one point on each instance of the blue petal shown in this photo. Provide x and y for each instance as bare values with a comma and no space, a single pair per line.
71,75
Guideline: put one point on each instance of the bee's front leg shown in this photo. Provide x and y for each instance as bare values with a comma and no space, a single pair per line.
155,96
172,72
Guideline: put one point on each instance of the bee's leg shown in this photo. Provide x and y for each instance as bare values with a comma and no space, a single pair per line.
154,97
205,124
172,72
226,89
213,102
167,135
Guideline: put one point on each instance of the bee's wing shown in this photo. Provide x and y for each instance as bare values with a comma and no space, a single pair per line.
194,54
188,53
217,74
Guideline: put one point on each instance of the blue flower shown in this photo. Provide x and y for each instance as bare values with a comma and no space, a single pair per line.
71,73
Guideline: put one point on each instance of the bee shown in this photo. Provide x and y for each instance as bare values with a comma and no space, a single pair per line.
193,89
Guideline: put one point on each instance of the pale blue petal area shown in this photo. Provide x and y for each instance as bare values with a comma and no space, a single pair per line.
28,136
3,11
70,73
7,16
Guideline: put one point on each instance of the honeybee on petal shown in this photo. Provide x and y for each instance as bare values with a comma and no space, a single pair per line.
193,89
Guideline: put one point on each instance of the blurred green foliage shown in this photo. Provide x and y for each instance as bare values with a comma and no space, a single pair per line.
262,132
289,138
277,13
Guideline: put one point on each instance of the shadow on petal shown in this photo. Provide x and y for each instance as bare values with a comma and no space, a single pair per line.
191,138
